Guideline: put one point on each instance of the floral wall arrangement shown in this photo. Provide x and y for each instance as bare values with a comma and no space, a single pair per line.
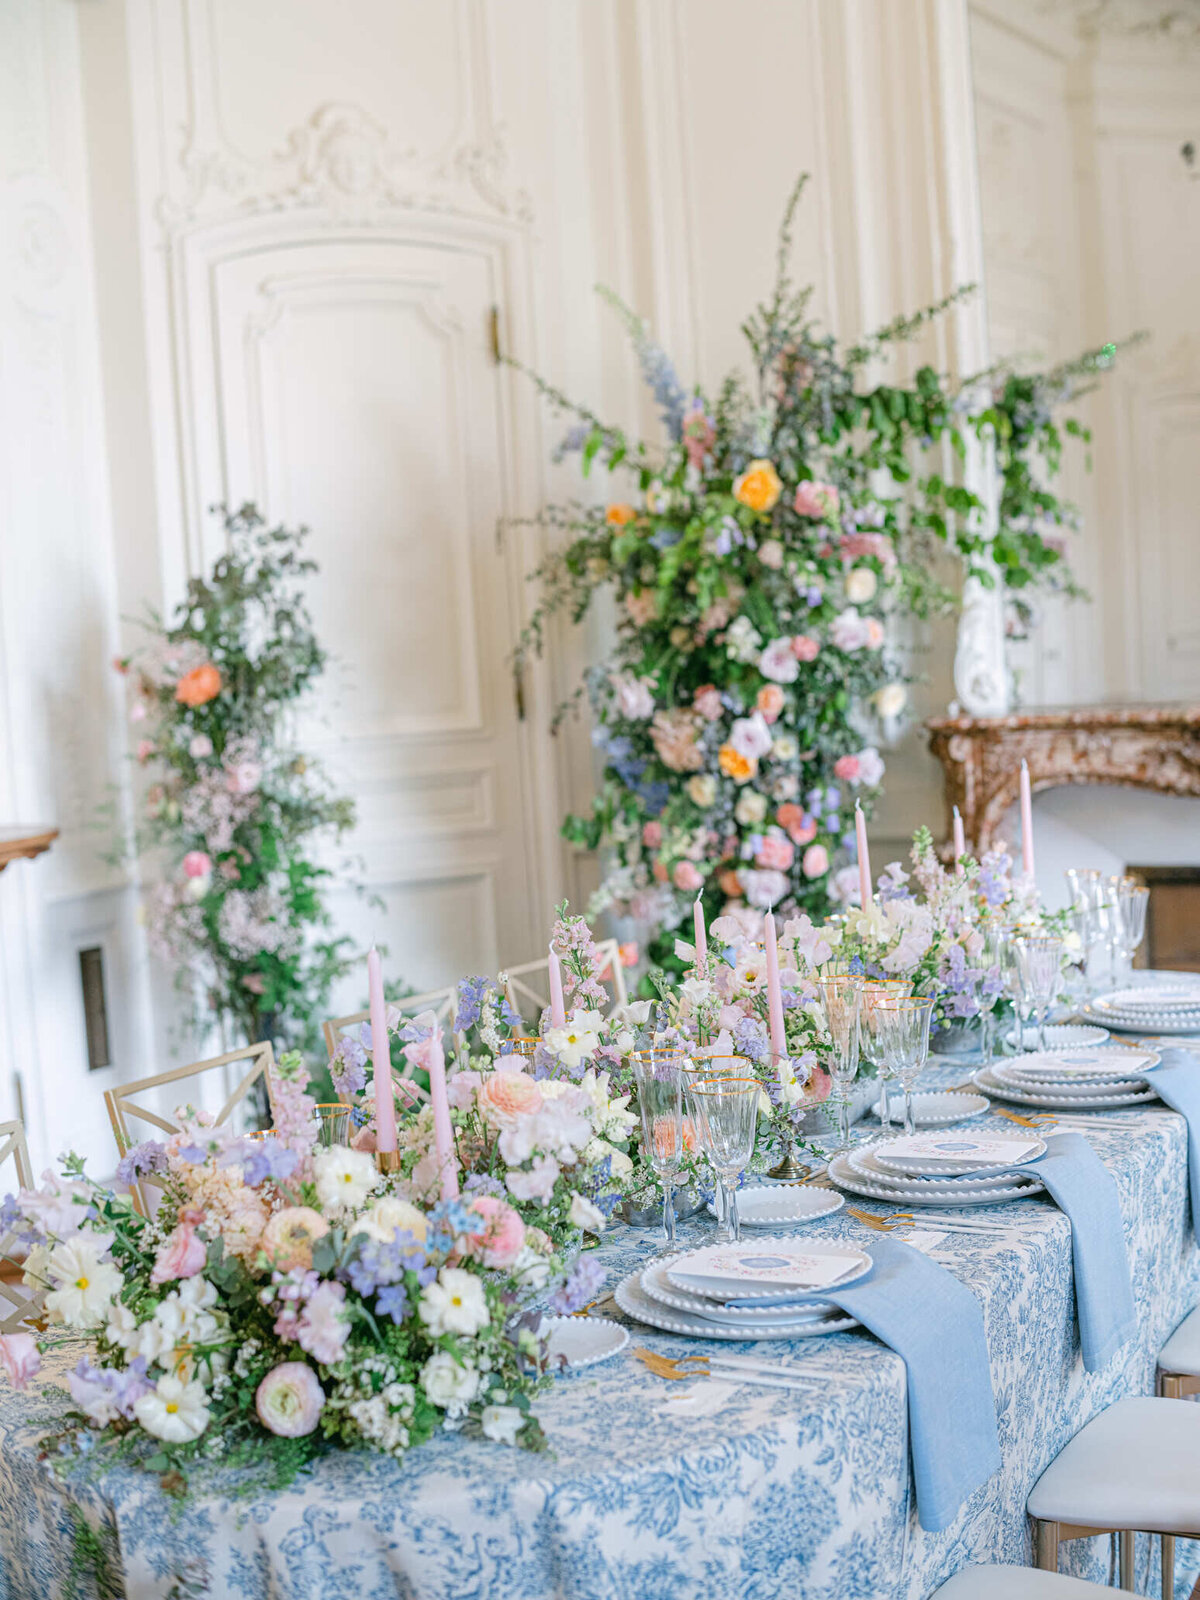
238,820
766,549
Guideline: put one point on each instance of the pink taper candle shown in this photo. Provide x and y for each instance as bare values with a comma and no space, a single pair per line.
558,1011
443,1131
701,934
774,992
960,843
1026,821
864,857
381,1056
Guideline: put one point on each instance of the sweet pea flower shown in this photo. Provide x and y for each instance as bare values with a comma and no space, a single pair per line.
687,877
536,1184
20,1358
289,1400
815,862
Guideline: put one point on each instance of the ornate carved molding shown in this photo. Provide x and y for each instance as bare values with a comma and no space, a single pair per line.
1145,747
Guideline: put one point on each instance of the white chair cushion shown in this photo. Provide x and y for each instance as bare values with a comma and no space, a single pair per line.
1136,1465
1017,1583
1181,1353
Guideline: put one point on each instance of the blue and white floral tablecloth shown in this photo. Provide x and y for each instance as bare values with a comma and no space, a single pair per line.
776,1494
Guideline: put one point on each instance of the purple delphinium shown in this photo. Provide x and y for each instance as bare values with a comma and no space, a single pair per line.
379,1263
586,1279
749,1038
261,1159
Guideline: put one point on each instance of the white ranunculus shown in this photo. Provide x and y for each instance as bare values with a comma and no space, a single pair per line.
751,808
389,1216
84,1286
454,1304
344,1178
584,1214
861,584
501,1423
784,747
446,1383
891,700
173,1410
702,790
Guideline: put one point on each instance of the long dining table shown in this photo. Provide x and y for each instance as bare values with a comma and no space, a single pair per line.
653,1490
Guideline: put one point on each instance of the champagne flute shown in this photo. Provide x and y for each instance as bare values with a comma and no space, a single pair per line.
841,1000
902,1027
660,1076
1133,899
726,1112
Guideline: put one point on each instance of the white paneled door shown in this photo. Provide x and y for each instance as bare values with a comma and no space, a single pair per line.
354,388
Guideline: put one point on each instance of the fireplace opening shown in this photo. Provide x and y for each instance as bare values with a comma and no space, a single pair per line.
1172,939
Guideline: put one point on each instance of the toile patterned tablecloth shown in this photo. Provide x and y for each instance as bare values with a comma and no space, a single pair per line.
777,1493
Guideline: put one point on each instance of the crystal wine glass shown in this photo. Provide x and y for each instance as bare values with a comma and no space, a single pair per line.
841,1000
726,1113
871,989
1039,958
660,1076
901,1026
1133,899
708,1064
991,960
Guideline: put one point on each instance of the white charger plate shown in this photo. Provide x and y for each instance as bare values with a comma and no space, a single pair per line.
1088,1089
1159,1023
655,1283
863,1164
1062,1036
687,1270
1056,1101
954,1158
583,1341
782,1205
845,1177
636,1303
943,1108
1163,997
1077,1066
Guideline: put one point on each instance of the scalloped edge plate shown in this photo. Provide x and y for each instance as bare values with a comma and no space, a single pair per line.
863,1164
975,1105
1061,1102
795,1313
909,1166
855,1184
636,1303
584,1341
776,1208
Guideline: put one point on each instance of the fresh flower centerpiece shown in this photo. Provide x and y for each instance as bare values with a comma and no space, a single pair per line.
756,565
239,819
287,1298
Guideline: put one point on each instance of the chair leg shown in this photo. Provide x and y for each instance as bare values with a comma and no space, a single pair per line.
1126,1564
1168,1566
1045,1544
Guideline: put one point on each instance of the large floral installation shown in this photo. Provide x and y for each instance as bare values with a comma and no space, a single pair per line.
769,543
239,821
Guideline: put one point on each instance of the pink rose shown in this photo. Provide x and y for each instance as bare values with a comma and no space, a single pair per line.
501,1239
874,632
652,835
20,1358
707,701
687,877
182,1256
629,953
659,870
289,1400
878,545
815,499
196,864
776,853
769,701
509,1094
816,861
797,824
846,768
805,648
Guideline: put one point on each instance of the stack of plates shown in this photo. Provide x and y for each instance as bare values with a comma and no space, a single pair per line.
913,1171
1072,1080
1060,1036
770,1289
942,1108
1154,1008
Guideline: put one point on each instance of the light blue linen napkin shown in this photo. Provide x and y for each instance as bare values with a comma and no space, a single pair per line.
1176,1080
935,1324
1084,1190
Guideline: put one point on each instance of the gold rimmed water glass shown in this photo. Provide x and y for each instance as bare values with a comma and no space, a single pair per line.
841,1003
872,988
900,1029
726,1113
524,1045
1039,962
660,1075
708,1064
335,1123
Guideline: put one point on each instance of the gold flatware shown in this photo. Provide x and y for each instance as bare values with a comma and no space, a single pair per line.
1041,1119
685,1369
885,1224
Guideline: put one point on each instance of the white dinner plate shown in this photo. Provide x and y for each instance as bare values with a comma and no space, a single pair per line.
841,1173
1061,1036
949,1154
863,1163
658,1286
1164,997
782,1205
583,1341
1158,1023
1087,1089
1055,1100
941,1108
768,1271
636,1303
1079,1065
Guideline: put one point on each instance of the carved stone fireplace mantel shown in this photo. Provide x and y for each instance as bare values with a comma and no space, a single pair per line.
1146,747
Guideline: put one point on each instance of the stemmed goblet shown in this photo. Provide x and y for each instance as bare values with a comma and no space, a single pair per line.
841,1001
872,988
1039,961
900,1024
726,1113
660,1076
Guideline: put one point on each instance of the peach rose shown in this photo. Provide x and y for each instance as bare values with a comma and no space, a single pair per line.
199,686
181,1256
642,607
731,884
501,1238
775,854
509,1094
805,648
652,835
618,515
687,877
735,765
846,768
874,630
800,829
659,869
770,701
289,1236
758,487
816,861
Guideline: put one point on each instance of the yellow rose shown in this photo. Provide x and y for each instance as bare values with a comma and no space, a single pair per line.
758,487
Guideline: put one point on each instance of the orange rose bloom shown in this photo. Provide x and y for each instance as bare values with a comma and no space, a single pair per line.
618,516
770,701
199,686
731,884
735,765
758,487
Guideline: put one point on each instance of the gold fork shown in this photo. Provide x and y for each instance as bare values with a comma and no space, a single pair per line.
884,1224
684,1369
1043,1118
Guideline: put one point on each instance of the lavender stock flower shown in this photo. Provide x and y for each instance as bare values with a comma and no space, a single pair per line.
149,1156
586,1279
